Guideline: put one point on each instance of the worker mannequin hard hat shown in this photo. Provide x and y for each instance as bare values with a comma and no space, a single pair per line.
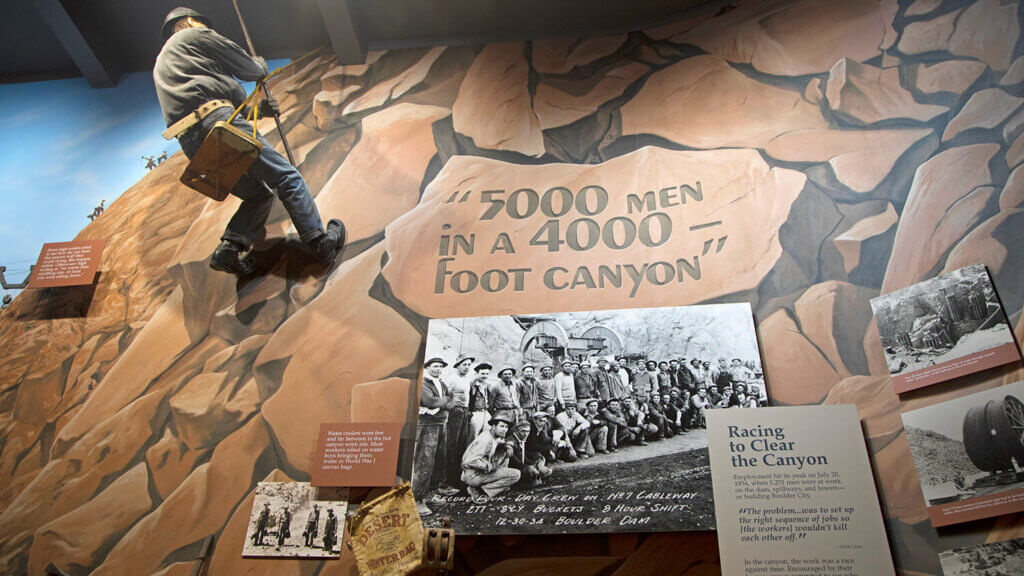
177,14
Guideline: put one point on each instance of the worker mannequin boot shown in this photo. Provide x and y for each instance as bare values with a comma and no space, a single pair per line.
327,246
227,258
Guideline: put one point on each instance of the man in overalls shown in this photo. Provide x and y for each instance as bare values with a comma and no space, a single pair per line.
195,83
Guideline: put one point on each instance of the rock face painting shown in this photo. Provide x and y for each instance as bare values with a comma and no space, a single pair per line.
801,156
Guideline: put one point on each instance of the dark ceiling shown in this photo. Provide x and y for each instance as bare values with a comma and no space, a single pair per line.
47,39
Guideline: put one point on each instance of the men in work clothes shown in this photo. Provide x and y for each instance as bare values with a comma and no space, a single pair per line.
284,527
598,427
565,385
458,423
478,414
577,428
646,383
618,428
485,466
602,388
526,392
617,387
546,396
528,464
431,433
312,526
586,383
330,531
502,396
262,523
197,66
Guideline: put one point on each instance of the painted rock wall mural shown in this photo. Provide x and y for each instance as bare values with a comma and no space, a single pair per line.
803,156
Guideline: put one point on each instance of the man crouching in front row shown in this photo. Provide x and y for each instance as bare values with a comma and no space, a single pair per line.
485,465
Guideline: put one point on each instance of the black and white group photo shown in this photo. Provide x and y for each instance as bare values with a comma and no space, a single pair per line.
941,319
969,447
294,519
993,559
579,422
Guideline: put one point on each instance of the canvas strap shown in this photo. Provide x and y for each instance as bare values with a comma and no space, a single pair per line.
193,118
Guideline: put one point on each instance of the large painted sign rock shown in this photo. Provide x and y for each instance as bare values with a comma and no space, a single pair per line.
655,226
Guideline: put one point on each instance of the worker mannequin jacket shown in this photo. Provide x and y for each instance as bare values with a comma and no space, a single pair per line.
197,65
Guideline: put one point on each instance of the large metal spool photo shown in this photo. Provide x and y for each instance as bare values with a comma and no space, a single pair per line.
994,434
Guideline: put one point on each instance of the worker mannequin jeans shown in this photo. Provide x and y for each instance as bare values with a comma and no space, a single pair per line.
270,171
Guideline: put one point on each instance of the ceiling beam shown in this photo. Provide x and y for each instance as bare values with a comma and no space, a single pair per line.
349,47
99,74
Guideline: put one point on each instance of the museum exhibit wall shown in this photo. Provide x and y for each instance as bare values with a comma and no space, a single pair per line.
809,156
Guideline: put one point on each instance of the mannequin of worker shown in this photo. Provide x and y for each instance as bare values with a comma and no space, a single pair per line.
197,65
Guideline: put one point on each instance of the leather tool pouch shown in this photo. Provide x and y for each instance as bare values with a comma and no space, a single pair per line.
224,157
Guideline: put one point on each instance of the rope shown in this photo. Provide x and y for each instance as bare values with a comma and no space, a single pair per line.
259,85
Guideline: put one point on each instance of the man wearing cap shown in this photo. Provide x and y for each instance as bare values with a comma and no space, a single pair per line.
700,404
637,420
674,417
529,464
585,383
548,442
618,428
546,396
602,390
756,396
284,526
655,415
684,378
598,426
502,395
526,392
646,383
565,384
478,400
458,423
431,433
664,378
617,387
625,374
673,372
721,376
262,523
577,429
195,84
485,465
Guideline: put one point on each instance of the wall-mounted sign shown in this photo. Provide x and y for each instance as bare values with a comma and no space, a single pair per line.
67,264
943,328
969,454
356,454
794,492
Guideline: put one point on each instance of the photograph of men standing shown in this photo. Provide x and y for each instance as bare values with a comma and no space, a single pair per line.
195,77
431,434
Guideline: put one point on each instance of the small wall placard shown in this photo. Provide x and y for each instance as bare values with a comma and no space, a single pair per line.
67,264
356,454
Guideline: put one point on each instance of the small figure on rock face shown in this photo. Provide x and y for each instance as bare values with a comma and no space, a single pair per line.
163,156
97,211
195,74
7,301
150,162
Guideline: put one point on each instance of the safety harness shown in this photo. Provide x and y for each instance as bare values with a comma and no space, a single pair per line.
227,152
